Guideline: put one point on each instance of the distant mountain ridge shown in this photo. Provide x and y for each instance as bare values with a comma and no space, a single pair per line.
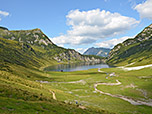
103,52
134,50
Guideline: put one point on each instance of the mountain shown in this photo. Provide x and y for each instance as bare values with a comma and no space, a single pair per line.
36,44
34,37
103,52
136,50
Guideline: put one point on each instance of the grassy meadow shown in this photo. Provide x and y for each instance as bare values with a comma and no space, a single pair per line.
135,85
28,90
21,92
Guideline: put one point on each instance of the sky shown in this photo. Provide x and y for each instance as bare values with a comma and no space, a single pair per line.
79,24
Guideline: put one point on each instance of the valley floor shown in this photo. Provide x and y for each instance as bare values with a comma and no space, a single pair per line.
131,94
90,91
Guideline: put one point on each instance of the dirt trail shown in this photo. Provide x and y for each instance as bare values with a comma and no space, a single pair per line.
130,100
53,93
118,83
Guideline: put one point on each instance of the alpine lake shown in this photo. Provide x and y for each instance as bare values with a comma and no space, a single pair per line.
76,66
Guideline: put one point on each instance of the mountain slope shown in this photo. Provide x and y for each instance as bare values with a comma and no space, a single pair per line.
43,47
137,50
103,52
16,53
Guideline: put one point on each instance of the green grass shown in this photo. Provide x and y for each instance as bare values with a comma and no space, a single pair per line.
20,92
19,86
13,106
140,53
84,93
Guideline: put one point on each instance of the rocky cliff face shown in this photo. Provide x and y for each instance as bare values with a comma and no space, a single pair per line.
103,52
72,55
133,46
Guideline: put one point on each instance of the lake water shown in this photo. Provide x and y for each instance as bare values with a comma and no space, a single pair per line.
76,67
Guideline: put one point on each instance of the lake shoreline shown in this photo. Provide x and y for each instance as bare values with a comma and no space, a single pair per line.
76,66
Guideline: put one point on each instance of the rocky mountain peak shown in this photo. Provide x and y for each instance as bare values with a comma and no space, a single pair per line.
37,30
33,37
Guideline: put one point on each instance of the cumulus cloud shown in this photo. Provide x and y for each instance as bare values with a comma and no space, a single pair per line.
145,9
4,13
89,26
111,43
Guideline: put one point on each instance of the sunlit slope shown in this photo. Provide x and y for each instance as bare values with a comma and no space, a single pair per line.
43,46
137,50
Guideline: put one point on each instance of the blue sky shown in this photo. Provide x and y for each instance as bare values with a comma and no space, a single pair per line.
79,24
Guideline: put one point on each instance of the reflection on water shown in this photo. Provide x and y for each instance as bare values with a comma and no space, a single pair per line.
75,67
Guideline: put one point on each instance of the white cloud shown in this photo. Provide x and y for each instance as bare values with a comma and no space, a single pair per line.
112,43
4,13
81,50
145,9
89,26
61,45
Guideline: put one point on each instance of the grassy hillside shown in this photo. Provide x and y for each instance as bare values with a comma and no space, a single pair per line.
139,53
20,92
43,46
137,50
16,53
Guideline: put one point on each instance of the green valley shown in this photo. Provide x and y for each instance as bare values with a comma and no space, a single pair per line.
26,88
